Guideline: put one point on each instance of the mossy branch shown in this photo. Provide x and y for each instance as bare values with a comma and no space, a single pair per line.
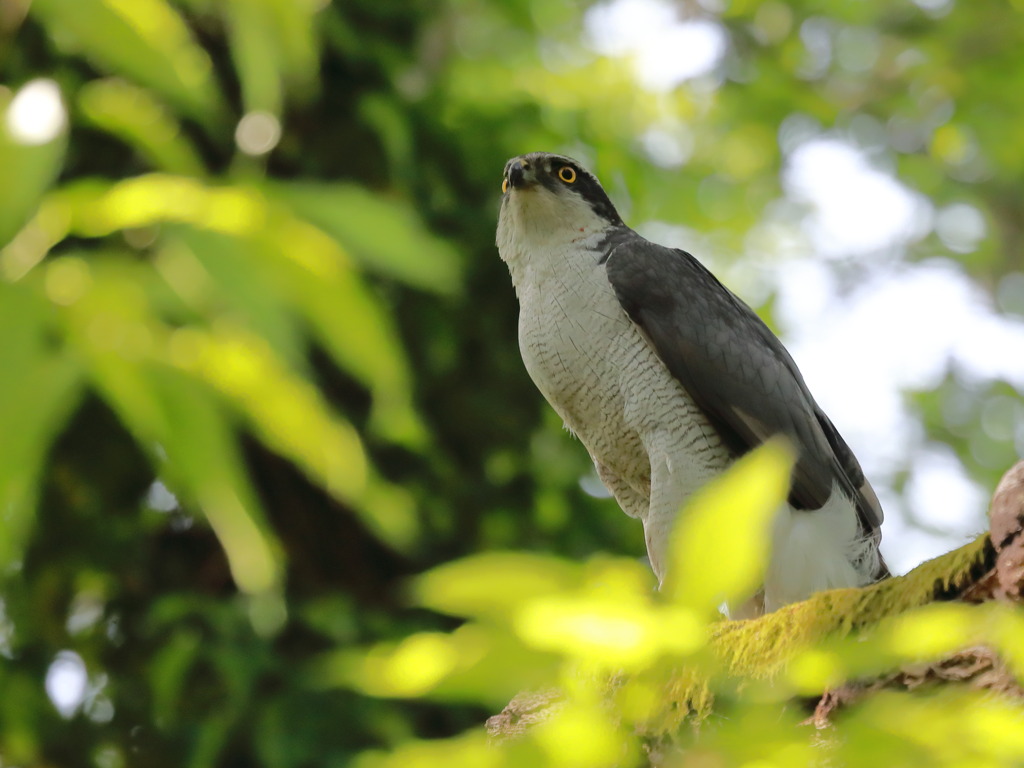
989,568
759,648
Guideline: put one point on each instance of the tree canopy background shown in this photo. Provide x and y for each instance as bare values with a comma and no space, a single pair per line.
259,352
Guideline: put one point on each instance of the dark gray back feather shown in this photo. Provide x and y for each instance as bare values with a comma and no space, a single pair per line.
734,367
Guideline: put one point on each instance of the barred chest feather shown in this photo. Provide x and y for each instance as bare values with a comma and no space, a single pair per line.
595,368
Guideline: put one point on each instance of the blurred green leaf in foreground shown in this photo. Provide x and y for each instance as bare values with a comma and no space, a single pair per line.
637,671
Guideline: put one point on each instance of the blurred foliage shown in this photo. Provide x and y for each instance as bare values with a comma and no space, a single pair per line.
260,370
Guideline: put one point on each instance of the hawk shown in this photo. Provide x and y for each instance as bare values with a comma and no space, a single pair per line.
667,377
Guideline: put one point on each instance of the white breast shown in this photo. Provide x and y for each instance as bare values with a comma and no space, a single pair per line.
577,343
595,367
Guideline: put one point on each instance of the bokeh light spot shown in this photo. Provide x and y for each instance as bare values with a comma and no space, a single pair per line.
36,114
257,133
665,49
66,682
960,227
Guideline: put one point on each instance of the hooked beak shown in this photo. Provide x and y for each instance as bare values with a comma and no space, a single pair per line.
520,174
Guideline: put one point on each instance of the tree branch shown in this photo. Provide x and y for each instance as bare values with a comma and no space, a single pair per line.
989,568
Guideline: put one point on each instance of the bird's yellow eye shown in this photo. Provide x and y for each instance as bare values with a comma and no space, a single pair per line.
504,185
567,174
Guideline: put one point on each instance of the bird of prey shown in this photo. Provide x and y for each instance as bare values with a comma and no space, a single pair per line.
667,377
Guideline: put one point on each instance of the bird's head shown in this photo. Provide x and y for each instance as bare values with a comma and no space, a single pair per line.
548,198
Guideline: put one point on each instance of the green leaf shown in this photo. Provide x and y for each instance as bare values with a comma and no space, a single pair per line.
474,663
143,40
273,46
721,542
204,465
33,141
492,584
287,412
256,56
386,235
136,117
169,670
36,396
472,748
361,336
312,270
237,278
170,413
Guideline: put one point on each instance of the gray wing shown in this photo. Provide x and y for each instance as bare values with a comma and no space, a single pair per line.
735,368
